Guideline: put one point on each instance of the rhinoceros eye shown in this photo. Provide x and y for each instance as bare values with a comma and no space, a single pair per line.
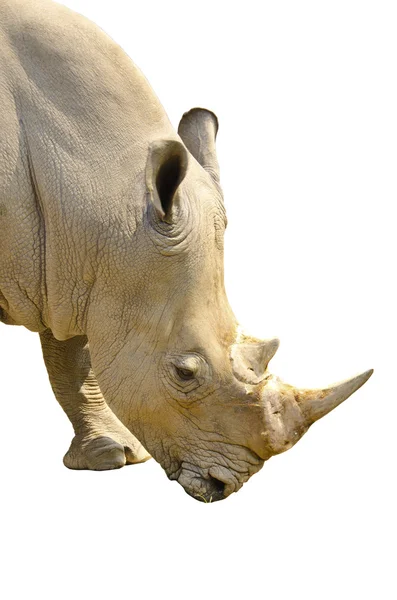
185,374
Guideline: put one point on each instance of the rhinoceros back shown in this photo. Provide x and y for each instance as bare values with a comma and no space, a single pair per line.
76,122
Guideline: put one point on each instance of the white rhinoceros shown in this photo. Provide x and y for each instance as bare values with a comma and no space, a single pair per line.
112,231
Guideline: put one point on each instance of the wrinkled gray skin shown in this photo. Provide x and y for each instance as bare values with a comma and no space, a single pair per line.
112,231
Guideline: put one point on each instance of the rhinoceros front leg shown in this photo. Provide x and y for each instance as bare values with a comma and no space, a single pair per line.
101,441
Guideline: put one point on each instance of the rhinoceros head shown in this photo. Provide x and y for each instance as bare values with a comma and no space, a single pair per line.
201,398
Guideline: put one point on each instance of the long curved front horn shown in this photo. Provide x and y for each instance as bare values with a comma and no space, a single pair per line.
318,403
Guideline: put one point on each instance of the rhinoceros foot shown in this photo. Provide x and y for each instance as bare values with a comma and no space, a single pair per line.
103,452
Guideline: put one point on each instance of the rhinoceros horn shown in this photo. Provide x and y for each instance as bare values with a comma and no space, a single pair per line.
250,359
318,403
198,128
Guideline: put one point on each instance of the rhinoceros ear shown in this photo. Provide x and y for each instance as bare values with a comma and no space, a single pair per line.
165,169
198,129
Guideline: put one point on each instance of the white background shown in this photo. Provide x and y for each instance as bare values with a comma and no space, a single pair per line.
306,98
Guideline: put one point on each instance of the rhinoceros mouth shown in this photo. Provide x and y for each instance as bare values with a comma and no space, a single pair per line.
215,490
216,481
206,490
210,486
